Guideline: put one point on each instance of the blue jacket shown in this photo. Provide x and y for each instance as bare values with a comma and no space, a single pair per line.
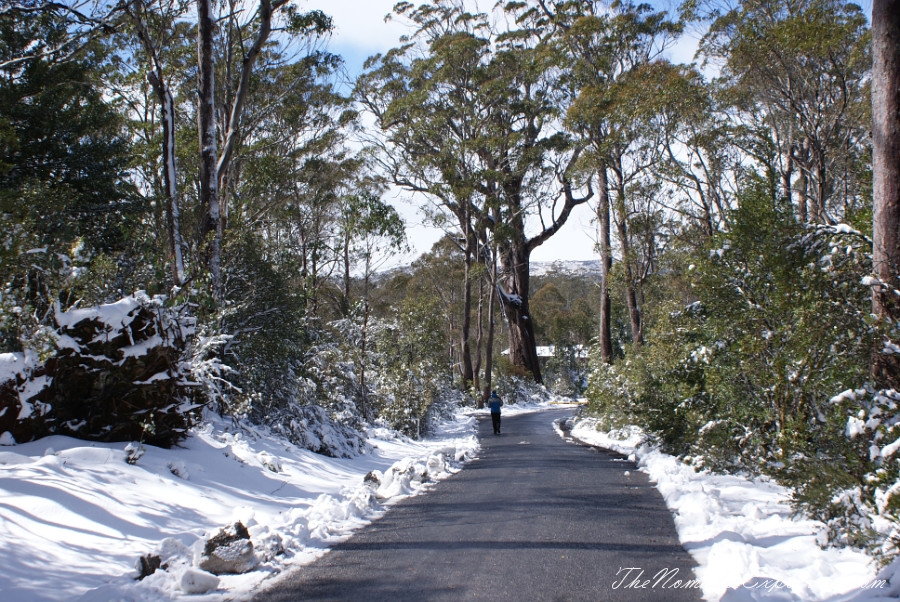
495,402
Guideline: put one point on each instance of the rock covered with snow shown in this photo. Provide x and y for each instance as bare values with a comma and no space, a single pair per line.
196,581
229,552
22,414
114,374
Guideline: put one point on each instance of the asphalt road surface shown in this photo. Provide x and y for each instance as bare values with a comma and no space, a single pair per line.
532,519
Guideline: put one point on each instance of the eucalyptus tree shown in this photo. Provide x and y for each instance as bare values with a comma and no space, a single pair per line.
796,72
232,40
886,155
243,46
428,106
612,56
699,160
471,117
162,36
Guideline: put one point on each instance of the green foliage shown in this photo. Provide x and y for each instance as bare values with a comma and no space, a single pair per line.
796,71
264,320
412,356
67,209
742,377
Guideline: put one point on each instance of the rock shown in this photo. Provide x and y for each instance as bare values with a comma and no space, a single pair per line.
147,565
23,412
229,552
373,478
116,375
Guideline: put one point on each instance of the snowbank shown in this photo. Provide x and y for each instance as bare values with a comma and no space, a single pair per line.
75,517
743,534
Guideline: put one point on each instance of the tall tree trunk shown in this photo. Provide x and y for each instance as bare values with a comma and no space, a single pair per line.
522,344
170,178
606,351
363,348
157,80
886,155
206,126
803,198
489,353
465,349
631,296
345,302
788,173
465,357
214,169
821,188
479,339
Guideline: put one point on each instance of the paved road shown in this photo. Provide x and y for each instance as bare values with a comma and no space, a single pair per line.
532,519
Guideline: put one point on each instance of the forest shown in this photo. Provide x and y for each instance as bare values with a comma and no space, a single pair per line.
195,217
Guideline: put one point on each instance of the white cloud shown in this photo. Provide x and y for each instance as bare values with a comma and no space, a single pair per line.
360,24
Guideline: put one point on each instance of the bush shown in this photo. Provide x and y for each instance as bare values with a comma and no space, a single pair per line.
408,367
741,379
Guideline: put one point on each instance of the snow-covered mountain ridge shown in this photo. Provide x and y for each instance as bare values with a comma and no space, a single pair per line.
590,267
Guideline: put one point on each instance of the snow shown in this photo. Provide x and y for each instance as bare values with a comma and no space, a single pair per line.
16,364
743,533
547,351
588,268
76,517
114,314
195,581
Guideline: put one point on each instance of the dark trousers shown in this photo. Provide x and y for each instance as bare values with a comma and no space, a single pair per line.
495,418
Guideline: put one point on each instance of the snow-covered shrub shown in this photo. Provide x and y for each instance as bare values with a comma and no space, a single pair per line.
656,387
312,427
565,373
515,389
259,357
741,378
410,388
611,393
339,368
211,375
260,333
866,513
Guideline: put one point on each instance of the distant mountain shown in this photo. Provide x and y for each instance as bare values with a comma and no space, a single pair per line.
569,268
590,267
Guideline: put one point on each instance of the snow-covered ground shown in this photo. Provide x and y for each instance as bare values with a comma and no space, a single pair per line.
75,517
744,536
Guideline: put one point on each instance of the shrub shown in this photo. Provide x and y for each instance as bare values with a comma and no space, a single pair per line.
741,378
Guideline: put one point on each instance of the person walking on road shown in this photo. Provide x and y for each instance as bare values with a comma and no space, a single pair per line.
495,402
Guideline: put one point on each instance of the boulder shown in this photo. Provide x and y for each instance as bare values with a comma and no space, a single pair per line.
229,552
147,565
115,375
